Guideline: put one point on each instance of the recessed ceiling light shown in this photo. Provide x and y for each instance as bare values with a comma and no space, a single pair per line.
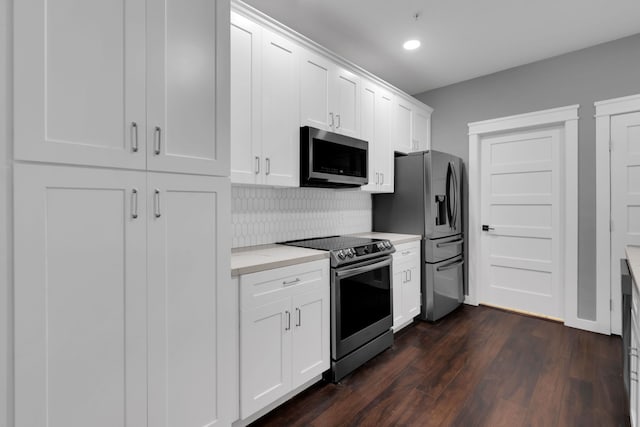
411,44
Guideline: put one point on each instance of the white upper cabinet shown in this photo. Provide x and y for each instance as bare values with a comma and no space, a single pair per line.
187,86
264,106
80,82
421,135
329,95
129,84
280,110
376,104
246,106
403,126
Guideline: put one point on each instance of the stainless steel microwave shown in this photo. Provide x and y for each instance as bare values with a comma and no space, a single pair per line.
332,160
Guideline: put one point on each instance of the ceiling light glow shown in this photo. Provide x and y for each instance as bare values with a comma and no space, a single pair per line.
411,44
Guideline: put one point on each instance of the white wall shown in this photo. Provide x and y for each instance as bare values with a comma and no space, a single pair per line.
6,274
268,215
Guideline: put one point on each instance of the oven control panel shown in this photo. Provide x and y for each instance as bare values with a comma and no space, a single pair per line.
362,252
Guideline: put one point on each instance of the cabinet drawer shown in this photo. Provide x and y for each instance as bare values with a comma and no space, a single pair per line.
270,285
405,250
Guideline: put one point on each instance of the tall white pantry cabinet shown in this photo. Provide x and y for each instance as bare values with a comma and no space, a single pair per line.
121,214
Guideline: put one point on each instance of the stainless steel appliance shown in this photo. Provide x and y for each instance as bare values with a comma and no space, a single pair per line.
332,160
427,201
361,299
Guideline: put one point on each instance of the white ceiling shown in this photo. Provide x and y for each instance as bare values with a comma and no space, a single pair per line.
461,39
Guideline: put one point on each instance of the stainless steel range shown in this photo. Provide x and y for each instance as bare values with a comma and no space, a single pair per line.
361,299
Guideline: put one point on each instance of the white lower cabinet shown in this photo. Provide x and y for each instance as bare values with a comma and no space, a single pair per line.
406,284
284,332
121,285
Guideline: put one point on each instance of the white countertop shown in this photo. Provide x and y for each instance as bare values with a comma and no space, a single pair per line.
633,259
265,257
394,238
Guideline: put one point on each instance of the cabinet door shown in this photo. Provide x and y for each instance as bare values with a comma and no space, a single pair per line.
346,100
80,82
411,290
384,150
188,86
80,297
246,155
402,125
368,104
315,80
421,129
280,111
189,290
265,355
311,322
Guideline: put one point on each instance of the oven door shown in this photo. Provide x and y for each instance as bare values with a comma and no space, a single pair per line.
361,304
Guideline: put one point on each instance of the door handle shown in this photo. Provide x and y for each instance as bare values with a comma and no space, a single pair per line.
299,312
338,118
156,203
487,228
381,178
408,275
450,266
288,314
134,137
257,165
268,162
134,203
331,123
157,137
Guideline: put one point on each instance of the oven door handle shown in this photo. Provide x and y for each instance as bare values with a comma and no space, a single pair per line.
363,269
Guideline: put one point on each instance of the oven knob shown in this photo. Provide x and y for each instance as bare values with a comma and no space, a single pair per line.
351,252
341,254
387,244
380,246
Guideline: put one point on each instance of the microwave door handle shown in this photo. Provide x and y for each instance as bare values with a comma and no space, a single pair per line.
364,269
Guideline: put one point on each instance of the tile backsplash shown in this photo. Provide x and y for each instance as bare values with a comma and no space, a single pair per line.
267,215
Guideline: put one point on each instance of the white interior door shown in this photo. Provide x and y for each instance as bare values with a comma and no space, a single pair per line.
520,200
625,190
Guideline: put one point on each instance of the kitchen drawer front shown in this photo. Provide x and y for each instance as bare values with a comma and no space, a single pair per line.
406,250
267,286
437,250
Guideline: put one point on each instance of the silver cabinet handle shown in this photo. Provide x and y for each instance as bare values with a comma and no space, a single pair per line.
409,273
450,266
157,139
268,162
381,178
451,243
134,203
299,312
377,178
331,123
291,282
338,118
134,137
286,313
156,203
404,276
257,165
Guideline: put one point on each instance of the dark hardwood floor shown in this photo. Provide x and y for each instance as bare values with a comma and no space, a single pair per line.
477,367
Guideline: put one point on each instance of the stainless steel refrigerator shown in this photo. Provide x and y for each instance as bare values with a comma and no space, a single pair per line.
428,201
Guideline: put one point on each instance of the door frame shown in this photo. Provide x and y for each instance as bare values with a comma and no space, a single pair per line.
604,111
567,119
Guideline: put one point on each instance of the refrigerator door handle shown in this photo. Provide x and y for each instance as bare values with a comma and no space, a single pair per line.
456,190
448,195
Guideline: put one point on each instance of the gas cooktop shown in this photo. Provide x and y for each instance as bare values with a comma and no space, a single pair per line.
346,249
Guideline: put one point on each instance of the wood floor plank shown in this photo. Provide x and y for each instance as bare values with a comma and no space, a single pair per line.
478,366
